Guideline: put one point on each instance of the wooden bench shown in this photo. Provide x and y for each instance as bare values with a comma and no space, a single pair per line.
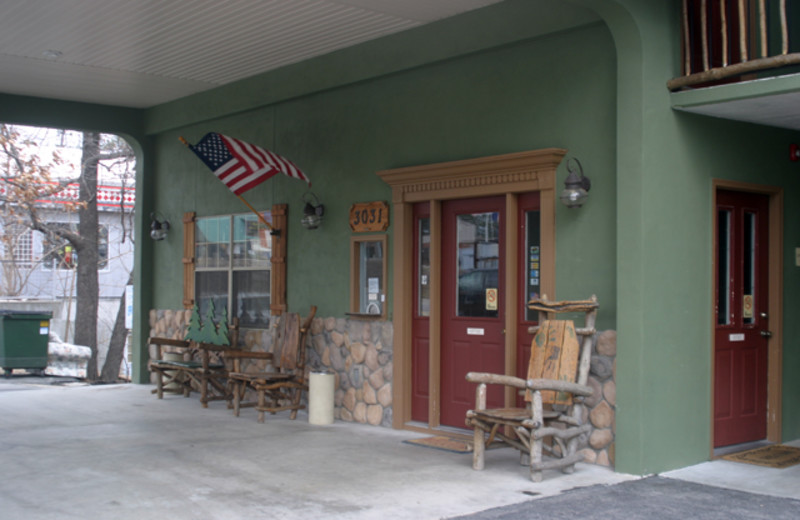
192,367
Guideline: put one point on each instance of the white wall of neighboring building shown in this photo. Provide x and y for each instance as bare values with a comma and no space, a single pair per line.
48,283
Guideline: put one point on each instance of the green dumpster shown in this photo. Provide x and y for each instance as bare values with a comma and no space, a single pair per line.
23,340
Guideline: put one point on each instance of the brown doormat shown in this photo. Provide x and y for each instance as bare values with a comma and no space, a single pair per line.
443,443
453,444
773,456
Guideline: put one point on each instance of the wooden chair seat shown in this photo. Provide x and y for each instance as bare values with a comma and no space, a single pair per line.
553,420
261,377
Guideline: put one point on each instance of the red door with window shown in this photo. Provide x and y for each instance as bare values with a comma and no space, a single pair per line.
473,315
741,335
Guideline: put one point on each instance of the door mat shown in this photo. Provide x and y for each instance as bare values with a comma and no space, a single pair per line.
443,443
452,444
773,456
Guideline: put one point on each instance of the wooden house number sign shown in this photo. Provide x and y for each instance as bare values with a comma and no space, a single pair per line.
369,216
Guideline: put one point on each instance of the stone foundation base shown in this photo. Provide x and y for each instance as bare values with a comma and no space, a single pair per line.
360,355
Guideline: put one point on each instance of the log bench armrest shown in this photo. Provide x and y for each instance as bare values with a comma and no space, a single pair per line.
237,355
559,386
168,342
496,379
244,354
160,343
530,384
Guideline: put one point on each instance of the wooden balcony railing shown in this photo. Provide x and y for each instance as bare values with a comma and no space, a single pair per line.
725,39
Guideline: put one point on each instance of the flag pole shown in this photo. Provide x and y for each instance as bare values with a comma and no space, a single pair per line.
259,215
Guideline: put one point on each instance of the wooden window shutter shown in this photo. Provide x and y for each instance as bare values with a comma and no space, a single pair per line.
188,259
278,274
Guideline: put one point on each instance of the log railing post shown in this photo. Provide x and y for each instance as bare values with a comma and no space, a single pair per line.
478,445
712,56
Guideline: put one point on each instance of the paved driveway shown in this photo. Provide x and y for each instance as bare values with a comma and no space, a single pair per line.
652,498
116,452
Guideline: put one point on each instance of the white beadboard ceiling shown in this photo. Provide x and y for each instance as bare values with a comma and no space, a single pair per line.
139,53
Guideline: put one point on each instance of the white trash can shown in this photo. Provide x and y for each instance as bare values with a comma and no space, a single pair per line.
320,398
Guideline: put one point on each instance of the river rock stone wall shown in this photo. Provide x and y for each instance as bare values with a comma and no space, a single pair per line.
357,352
601,406
166,323
360,355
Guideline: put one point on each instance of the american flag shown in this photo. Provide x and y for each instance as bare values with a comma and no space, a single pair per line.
242,166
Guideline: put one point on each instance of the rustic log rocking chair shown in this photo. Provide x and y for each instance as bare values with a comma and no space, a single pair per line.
280,388
195,367
553,394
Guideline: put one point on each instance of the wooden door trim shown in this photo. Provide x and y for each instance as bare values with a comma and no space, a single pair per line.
774,305
435,317
511,291
485,176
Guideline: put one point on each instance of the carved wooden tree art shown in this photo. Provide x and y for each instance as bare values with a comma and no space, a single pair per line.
207,330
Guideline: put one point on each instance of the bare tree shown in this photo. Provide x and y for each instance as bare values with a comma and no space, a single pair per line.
27,181
116,347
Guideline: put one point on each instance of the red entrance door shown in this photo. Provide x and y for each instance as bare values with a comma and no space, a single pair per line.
740,346
473,317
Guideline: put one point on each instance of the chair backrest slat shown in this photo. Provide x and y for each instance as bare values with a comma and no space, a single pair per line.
558,335
288,342
554,355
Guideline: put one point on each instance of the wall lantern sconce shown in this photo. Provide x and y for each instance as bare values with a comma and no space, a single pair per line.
312,212
576,186
158,228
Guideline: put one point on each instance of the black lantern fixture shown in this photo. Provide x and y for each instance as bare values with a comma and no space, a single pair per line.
158,228
576,186
312,212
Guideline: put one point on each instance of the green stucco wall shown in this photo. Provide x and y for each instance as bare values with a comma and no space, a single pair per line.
666,163
549,91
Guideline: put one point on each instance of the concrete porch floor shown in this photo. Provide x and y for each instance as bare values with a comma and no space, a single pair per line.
117,452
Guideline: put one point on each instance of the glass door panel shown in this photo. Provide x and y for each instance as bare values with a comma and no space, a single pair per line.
478,260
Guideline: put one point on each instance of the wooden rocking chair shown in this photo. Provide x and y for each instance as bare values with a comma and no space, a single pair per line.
555,389
280,388
196,367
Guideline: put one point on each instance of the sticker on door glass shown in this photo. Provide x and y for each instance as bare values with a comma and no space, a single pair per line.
373,285
747,306
491,299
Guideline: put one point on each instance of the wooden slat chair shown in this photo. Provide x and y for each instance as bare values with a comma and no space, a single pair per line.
199,367
281,387
556,386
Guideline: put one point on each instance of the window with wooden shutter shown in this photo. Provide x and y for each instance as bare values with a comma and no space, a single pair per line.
234,267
